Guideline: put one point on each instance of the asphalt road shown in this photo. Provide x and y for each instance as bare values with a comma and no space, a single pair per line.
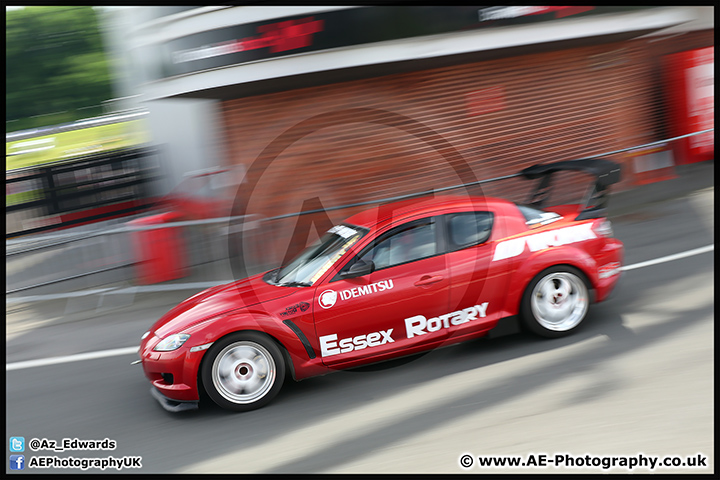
638,378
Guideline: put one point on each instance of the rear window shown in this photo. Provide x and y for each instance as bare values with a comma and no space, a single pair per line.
535,216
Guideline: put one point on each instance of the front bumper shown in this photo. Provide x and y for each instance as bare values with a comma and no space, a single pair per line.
173,374
173,406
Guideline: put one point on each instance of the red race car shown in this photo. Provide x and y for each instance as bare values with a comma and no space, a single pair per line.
394,280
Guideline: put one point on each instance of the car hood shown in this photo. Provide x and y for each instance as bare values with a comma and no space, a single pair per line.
216,301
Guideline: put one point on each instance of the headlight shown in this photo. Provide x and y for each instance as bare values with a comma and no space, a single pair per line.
173,342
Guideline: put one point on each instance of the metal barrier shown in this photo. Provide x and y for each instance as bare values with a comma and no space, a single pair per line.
103,256
105,253
86,189
479,182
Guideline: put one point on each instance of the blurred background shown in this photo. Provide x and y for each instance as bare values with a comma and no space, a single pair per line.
117,114
227,117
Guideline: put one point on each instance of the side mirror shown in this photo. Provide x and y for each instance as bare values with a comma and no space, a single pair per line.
359,269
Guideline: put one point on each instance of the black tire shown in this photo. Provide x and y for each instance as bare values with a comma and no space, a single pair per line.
243,371
555,302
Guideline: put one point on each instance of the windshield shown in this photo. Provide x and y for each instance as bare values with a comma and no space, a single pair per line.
314,261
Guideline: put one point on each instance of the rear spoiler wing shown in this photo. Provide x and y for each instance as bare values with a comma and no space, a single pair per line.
594,203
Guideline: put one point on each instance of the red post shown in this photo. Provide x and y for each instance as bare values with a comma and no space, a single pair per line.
159,251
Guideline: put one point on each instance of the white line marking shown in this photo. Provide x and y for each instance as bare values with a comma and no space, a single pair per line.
56,296
128,350
199,286
668,258
70,358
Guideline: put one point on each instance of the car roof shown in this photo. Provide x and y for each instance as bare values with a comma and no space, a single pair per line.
423,205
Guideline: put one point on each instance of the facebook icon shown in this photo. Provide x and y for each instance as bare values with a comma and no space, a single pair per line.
17,462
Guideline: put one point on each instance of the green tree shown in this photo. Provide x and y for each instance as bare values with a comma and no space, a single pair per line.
55,64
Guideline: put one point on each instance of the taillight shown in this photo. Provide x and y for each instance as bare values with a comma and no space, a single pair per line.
603,227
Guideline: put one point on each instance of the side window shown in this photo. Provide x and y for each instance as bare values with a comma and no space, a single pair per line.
403,245
467,229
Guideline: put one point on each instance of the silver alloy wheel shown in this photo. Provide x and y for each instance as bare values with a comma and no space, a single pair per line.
243,372
559,301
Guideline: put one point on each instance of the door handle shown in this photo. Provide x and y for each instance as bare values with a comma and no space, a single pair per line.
426,280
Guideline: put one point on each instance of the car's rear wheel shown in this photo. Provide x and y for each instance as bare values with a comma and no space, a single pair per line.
243,371
555,302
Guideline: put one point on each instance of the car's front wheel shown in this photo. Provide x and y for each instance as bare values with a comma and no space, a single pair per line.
243,371
555,302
